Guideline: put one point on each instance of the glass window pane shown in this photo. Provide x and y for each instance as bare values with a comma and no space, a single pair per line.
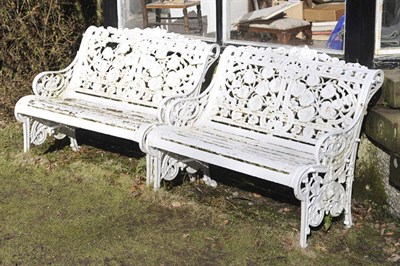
190,17
390,33
318,23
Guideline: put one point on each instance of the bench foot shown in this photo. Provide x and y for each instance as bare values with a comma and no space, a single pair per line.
160,166
26,129
322,192
36,132
74,144
193,167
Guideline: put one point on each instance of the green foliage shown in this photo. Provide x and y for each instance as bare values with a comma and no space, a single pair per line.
327,222
37,35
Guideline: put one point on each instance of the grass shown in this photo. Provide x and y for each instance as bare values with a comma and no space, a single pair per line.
91,208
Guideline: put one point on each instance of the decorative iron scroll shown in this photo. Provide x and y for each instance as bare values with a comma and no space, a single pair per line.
141,66
297,93
52,84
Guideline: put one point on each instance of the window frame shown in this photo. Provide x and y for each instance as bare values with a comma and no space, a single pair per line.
378,29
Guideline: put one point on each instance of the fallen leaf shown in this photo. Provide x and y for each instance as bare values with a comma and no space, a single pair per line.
136,189
321,248
284,210
358,225
394,258
256,195
389,250
176,204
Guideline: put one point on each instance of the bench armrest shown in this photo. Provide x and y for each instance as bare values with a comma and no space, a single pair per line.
179,111
334,148
171,103
52,83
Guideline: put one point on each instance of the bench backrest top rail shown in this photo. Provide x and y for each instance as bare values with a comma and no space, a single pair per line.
139,66
296,93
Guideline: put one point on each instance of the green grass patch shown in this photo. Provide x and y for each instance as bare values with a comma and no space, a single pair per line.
91,207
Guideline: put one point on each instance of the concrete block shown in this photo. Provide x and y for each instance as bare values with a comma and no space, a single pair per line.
391,88
383,125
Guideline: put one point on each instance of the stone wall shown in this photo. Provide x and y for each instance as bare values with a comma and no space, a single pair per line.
371,181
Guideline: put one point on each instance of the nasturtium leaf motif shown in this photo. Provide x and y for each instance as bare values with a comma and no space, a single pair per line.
297,88
249,77
326,110
267,73
308,132
253,120
328,91
113,75
148,61
236,115
307,98
262,88
156,70
172,79
312,80
101,66
236,84
161,53
255,103
306,114
157,97
155,83
173,63
231,76
242,92
224,112
275,85
108,53
296,129
337,104
123,48
356,88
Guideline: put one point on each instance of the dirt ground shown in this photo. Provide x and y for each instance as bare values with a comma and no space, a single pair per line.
92,208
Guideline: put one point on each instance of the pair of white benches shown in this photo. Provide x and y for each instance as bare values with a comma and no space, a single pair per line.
290,116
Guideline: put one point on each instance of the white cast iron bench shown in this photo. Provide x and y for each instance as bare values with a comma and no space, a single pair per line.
114,86
292,117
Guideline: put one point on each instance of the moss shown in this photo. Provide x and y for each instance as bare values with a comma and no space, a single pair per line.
368,183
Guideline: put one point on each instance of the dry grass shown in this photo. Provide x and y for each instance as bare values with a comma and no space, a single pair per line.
92,207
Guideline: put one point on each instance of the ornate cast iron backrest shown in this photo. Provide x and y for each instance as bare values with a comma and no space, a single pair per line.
297,94
139,66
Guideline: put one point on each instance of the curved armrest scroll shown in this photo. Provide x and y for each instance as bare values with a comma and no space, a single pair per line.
336,147
52,83
184,111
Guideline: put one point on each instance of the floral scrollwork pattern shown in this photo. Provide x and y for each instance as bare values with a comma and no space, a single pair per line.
141,66
321,193
185,111
39,132
169,167
296,93
336,148
51,84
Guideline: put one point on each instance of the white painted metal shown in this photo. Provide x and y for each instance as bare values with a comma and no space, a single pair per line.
115,84
290,116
